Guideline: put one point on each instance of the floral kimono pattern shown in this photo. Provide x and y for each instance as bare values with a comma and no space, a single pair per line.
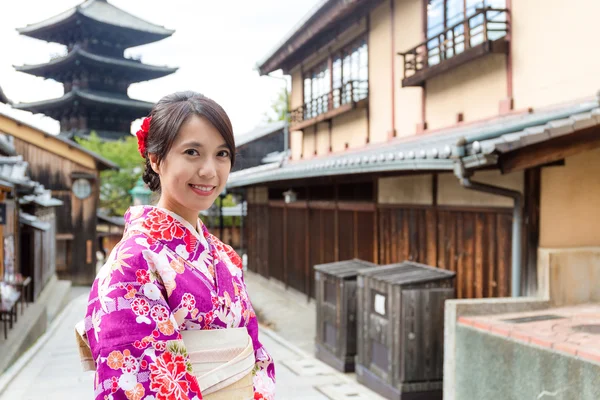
163,278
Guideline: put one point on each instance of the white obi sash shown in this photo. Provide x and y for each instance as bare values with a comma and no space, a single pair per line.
222,361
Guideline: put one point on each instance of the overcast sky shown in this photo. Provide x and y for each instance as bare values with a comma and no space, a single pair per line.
216,46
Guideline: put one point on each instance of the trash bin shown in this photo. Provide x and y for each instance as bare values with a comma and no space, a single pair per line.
336,312
401,329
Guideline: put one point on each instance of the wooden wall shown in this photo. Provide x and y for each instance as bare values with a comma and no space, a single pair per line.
75,219
474,243
286,240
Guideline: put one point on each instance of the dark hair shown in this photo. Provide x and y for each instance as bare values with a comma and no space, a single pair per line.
169,114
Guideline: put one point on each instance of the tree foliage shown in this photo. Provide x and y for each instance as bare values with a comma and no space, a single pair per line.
115,185
279,108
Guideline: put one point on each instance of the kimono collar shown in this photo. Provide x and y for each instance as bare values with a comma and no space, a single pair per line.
169,228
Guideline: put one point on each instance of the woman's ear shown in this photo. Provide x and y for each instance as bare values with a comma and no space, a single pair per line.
154,162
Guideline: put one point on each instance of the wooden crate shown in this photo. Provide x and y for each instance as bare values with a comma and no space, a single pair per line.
336,312
401,329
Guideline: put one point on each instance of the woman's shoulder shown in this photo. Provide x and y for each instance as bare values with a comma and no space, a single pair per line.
134,248
136,241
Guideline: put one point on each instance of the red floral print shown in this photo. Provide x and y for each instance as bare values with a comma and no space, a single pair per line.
140,306
159,313
162,226
169,378
143,276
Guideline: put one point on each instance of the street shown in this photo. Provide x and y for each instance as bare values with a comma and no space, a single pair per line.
51,369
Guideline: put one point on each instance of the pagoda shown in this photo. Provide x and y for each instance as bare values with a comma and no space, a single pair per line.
94,72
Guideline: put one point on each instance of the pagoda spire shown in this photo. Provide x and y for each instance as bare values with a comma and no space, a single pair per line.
95,74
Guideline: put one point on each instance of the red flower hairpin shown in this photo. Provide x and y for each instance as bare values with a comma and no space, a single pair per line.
142,136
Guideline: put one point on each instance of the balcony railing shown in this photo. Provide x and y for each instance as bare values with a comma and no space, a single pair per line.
481,33
327,106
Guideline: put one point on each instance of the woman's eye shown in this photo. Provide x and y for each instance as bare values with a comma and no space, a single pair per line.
224,153
191,152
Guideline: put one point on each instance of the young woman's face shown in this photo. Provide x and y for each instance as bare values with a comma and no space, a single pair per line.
195,170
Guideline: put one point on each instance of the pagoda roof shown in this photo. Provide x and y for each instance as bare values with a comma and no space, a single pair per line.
89,97
104,13
136,70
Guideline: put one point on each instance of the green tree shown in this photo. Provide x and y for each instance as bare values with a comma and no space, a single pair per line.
228,201
115,185
279,108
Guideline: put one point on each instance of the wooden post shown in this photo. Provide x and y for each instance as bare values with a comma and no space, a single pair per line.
285,237
307,247
336,225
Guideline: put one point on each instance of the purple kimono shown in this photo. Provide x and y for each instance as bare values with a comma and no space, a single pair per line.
164,277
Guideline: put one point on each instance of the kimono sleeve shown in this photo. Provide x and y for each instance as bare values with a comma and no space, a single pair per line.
134,338
264,370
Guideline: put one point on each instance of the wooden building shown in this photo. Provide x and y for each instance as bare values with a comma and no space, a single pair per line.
71,173
432,131
263,141
95,73
110,232
27,223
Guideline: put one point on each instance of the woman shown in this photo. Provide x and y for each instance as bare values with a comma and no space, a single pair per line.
163,310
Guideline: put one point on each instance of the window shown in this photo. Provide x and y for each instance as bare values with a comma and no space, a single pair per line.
354,72
442,15
327,88
82,188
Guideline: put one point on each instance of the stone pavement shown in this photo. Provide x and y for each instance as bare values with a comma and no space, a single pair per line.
51,369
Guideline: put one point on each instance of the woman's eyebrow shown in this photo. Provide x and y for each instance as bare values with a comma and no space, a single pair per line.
198,144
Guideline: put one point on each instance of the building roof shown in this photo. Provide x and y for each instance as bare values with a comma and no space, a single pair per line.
102,12
136,70
33,221
14,170
101,162
436,151
320,20
90,97
117,221
6,146
3,98
259,132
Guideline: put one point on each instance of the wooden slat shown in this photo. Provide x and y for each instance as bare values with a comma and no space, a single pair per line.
462,258
276,260
469,242
329,236
502,261
404,243
346,235
450,240
481,247
391,249
364,235
491,259
431,237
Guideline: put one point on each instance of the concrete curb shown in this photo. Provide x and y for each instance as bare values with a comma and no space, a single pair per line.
12,371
